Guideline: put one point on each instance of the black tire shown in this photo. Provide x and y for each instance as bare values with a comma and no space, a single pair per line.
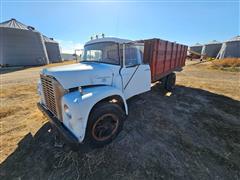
106,119
170,82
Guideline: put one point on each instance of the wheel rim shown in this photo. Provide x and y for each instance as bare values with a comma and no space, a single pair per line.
105,127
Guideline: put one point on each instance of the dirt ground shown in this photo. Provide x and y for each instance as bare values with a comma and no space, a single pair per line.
192,133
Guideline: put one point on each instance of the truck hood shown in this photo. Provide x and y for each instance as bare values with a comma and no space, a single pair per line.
82,74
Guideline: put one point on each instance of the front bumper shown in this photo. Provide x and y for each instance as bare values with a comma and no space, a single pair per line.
60,128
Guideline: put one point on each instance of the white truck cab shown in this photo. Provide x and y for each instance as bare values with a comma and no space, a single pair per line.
86,101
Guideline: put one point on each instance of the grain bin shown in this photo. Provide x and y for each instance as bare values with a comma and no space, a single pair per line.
21,45
230,48
53,50
197,48
68,57
211,49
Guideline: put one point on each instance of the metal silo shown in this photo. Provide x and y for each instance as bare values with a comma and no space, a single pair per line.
68,57
197,48
230,48
211,49
21,45
53,50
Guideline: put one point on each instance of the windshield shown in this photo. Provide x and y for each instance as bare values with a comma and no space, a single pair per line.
105,52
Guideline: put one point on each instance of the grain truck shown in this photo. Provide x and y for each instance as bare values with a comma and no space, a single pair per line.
86,102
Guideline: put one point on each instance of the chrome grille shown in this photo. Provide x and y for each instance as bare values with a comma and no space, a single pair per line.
53,92
49,93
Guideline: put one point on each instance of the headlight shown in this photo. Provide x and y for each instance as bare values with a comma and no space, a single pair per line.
67,111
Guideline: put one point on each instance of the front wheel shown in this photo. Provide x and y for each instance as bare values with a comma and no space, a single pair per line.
104,124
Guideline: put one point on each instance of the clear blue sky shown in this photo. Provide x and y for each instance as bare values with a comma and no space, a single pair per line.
72,23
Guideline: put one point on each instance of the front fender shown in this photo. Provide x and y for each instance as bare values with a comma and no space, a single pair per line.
80,106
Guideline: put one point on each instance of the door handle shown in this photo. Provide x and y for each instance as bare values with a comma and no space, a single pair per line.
147,69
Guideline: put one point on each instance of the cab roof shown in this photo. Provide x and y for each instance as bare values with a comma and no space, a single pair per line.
108,39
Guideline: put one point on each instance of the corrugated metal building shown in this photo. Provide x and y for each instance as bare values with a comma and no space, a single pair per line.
53,50
22,45
211,49
68,57
230,48
197,48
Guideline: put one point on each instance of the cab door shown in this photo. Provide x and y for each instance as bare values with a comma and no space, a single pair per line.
136,76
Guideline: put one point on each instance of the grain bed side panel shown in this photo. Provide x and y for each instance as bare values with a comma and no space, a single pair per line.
146,55
163,57
165,60
174,55
182,59
180,62
154,58
182,54
178,55
155,46
159,59
168,56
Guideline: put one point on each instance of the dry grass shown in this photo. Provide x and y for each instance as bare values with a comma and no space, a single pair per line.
18,113
231,64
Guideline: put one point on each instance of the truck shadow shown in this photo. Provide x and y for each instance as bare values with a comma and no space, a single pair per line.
189,134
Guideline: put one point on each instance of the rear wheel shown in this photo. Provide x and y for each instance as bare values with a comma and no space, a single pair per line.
170,81
104,124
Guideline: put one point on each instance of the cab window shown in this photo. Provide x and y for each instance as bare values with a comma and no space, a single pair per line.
133,55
